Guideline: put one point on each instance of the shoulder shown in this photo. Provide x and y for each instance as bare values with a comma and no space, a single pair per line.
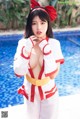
22,40
53,41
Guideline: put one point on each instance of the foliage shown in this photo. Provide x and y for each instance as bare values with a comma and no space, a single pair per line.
65,12
13,12
53,2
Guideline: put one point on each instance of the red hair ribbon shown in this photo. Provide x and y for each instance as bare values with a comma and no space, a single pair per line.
49,9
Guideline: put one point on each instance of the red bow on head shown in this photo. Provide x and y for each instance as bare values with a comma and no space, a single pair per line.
49,9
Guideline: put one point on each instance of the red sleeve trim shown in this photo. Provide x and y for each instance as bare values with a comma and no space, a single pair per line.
49,52
48,74
18,75
60,60
32,41
51,94
50,91
23,54
23,92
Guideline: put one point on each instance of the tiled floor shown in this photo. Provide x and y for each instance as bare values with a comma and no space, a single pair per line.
69,108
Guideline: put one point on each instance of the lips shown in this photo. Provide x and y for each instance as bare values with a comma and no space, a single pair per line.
39,32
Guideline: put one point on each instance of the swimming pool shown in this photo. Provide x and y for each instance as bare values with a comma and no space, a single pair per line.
68,80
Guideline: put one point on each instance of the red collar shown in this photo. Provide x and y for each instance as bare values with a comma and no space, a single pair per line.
47,38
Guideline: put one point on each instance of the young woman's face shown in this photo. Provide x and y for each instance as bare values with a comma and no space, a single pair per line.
39,27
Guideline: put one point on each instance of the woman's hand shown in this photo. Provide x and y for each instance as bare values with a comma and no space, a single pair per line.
34,39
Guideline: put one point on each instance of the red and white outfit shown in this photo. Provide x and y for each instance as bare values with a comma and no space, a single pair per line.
42,101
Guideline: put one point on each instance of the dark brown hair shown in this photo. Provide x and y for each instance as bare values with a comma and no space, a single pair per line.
43,16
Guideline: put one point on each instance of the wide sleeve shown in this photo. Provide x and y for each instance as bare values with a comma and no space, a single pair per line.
21,61
57,52
50,65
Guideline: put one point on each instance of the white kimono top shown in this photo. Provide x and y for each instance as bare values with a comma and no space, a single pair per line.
22,67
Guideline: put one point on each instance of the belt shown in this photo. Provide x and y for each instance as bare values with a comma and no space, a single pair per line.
37,82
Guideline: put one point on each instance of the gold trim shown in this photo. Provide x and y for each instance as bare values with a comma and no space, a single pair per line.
37,82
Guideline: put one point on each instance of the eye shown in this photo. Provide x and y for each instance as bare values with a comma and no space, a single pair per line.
42,22
33,23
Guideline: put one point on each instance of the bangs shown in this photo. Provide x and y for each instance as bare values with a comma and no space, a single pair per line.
42,15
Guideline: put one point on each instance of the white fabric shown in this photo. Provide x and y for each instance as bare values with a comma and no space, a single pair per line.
56,48
20,63
42,44
45,88
49,64
20,66
46,109
29,45
49,60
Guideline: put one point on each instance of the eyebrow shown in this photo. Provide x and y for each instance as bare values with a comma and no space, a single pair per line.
34,21
40,21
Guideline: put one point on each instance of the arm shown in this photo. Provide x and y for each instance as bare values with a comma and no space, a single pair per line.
53,76
22,56
50,65
57,52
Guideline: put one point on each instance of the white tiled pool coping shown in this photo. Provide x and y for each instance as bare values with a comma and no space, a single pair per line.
9,32
69,108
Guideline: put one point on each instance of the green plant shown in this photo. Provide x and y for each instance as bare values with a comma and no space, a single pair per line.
13,12
53,2
65,14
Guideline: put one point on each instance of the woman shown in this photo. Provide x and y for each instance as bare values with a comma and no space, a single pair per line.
38,58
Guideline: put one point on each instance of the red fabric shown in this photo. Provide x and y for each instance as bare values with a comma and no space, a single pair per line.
32,87
48,74
46,53
23,92
39,87
51,89
18,75
52,12
50,9
32,93
60,60
51,94
34,3
23,54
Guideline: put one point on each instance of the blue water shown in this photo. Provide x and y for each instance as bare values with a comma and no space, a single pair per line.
68,80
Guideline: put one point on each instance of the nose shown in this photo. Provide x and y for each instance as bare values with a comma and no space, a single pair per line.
38,26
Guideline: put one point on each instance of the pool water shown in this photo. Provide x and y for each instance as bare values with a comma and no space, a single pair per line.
68,80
